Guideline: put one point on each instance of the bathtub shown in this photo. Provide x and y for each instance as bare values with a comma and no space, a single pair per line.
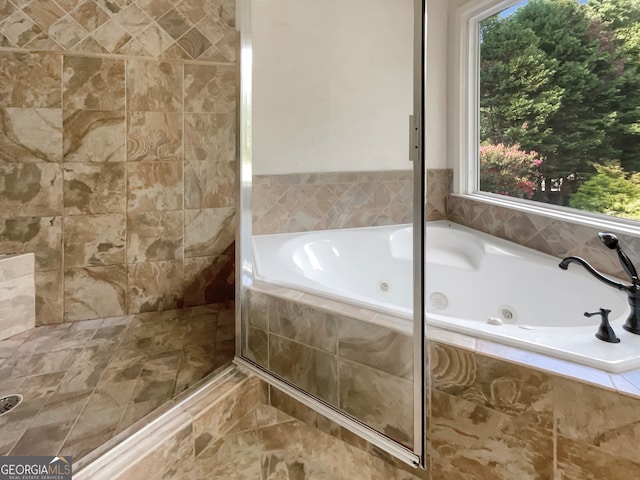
475,284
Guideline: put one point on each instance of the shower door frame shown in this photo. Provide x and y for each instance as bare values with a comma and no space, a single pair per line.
244,262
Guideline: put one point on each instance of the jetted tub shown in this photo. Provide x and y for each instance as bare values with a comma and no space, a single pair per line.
475,284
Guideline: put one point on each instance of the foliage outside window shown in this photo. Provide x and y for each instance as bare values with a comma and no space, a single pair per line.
560,104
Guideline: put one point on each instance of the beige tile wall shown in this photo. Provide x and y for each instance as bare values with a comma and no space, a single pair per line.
321,201
438,188
494,419
117,152
357,366
555,237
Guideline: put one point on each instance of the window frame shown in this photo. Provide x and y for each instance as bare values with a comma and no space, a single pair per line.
464,124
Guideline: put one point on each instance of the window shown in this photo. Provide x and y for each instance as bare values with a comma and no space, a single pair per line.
555,107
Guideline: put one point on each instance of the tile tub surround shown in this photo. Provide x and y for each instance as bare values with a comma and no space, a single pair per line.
85,382
495,411
551,236
335,357
227,430
117,152
17,294
495,419
321,201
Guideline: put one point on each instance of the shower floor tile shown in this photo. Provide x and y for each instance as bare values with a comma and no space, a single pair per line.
85,382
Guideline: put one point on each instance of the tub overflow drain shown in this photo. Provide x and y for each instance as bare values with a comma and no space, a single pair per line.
9,402
384,286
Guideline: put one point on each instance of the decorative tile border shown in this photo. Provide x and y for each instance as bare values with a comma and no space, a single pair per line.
321,201
548,235
187,29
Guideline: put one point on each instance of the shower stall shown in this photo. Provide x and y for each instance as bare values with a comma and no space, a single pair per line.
117,184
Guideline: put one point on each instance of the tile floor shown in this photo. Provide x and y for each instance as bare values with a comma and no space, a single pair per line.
84,382
268,444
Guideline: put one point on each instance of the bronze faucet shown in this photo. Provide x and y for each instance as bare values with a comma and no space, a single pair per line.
633,290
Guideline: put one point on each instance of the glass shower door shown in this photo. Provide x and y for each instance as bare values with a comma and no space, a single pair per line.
332,210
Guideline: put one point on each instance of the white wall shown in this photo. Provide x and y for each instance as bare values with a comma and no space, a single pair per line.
437,102
332,85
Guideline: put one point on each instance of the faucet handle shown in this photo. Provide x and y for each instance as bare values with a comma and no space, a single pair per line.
605,332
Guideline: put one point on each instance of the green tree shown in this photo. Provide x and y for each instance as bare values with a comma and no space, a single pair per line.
610,191
557,86
518,94
620,20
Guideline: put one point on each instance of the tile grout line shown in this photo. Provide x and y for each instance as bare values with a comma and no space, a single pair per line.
184,186
62,216
556,473
126,186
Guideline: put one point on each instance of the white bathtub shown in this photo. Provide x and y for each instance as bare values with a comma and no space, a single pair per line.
475,284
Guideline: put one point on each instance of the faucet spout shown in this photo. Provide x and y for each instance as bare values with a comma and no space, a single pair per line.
564,265
633,291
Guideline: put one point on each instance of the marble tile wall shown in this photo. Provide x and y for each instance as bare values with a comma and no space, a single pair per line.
302,202
555,237
117,152
361,368
495,419
321,201
552,236
17,294
182,29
